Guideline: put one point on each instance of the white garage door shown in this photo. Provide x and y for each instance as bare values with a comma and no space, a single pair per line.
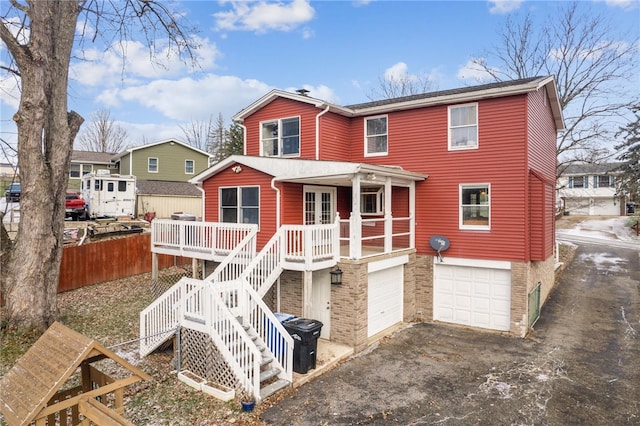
385,299
474,296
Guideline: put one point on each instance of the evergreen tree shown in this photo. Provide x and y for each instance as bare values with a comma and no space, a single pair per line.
628,182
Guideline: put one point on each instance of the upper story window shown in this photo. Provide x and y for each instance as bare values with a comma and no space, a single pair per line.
603,181
578,182
79,170
463,127
372,201
376,142
240,204
475,206
152,165
280,138
189,166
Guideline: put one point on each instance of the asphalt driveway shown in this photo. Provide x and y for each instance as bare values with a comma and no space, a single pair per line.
581,364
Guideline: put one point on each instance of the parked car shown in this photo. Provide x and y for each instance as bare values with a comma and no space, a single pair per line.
12,193
75,206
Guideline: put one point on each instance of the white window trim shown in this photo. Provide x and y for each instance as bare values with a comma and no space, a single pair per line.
462,148
460,207
239,201
366,145
149,164
193,168
279,139
379,194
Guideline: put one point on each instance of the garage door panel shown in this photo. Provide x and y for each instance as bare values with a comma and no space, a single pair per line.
481,296
385,299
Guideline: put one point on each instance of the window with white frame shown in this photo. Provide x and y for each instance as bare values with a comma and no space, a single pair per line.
76,171
280,138
371,201
475,206
240,204
189,167
578,182
463,126
152,165
603,181
376,138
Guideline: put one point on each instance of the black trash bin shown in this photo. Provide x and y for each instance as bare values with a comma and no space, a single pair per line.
305,333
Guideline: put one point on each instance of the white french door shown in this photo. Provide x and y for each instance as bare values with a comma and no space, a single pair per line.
319,205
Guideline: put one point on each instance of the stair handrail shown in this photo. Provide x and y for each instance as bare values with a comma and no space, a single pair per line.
236,261
266,265
229,336
269,329
155,329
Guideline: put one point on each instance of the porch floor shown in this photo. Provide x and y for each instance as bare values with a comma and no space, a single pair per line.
329,354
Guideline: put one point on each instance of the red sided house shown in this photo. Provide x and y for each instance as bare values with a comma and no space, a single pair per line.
433,207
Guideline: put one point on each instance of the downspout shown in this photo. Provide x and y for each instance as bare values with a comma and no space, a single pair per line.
199,187
275,188
318,131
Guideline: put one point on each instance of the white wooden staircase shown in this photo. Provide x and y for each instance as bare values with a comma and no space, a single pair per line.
228,305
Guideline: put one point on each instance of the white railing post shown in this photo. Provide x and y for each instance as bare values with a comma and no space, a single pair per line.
336,238
355,235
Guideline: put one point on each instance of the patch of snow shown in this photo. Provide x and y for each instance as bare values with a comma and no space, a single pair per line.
607,229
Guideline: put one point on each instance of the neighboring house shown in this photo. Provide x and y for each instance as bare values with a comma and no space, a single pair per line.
589,189
365,195
85,162
168,160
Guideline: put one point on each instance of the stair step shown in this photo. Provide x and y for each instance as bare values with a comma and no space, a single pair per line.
274,387
266,359
269,374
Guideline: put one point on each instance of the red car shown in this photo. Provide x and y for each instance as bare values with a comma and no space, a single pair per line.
75,206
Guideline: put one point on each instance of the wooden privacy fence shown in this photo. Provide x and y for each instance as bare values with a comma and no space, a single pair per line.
110,260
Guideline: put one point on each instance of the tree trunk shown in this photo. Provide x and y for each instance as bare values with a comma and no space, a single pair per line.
45,140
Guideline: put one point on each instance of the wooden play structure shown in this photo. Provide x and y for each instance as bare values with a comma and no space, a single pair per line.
57,382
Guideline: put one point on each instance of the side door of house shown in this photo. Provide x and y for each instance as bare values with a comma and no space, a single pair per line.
319,205
319,209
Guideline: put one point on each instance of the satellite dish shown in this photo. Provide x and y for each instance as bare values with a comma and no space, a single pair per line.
439,243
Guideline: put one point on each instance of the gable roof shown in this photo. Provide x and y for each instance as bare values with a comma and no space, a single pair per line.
45,367
91,157
591,169
163,187
464,94
174,141
301,170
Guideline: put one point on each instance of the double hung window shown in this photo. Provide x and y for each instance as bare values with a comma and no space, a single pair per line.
280,138
475,206
240,204
463,127
376,136
152,165
188,167
578,182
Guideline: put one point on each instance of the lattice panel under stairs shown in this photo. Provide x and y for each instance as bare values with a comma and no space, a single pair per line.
167,278
201,357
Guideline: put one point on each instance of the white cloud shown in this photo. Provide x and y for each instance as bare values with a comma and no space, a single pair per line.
397,72
130,61
501,7
624,4
472,71
187,98
263,16
319,92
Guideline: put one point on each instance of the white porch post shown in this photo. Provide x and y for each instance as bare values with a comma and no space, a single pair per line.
412,214
307,278
355,221
388,218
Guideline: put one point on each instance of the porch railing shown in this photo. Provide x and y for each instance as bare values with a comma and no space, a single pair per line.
369,237
205,240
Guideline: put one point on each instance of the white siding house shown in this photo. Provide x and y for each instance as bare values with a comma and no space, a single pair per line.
589,190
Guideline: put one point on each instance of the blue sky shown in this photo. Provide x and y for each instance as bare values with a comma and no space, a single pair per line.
339,50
